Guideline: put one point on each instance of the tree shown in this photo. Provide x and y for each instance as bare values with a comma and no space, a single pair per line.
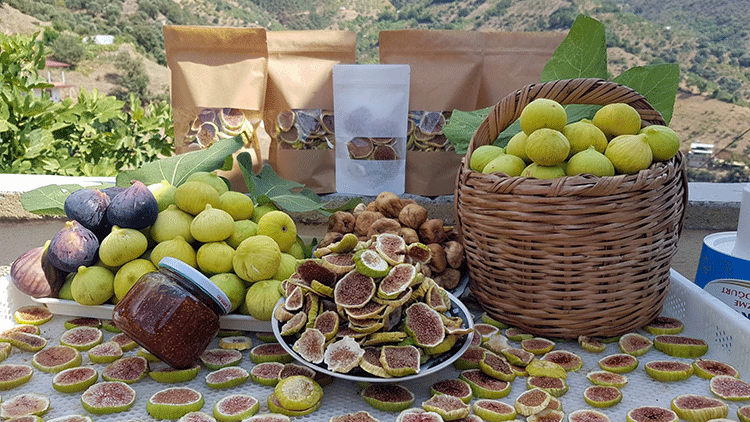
132,78
68,49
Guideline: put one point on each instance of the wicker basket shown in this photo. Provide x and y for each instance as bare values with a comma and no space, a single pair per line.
577,255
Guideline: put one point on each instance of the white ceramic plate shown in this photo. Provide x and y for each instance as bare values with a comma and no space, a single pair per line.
434,364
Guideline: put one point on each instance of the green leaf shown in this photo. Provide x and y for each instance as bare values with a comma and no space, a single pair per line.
657,82
47,200
177,168
461,127
285,194
582,54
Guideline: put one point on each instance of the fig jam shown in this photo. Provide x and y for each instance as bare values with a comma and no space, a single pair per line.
173,313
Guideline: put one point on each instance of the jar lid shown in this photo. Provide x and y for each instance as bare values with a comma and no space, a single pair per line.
200,281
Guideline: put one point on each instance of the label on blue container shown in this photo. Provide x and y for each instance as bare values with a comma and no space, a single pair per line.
716,261
734,293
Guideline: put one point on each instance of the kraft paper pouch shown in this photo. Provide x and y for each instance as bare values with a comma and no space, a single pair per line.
298,112
218,85
513,60
371,103
446,70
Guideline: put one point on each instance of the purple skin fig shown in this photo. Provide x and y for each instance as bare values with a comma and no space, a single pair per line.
89,207
133,208
73,246
32,275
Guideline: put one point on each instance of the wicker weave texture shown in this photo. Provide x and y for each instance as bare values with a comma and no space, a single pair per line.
576,255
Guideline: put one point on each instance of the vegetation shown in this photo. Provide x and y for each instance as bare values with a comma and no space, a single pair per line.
95,135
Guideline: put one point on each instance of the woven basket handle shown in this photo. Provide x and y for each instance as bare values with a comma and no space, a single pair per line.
565,91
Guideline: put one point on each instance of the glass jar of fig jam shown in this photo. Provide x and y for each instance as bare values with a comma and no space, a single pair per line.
173,312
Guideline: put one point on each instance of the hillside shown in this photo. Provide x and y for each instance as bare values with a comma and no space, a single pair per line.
715,65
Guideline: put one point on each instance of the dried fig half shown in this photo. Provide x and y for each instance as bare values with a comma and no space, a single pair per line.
680,346
697,408
708,368
667,370
651,414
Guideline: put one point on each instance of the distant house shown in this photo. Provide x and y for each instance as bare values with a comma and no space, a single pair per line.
55,76
700,154
104,39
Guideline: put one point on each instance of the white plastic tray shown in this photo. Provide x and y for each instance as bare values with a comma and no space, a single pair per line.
727,333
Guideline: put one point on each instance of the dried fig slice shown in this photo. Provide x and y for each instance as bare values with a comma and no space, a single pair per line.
75,379
485,331
449,407
298,392
354,290
697,408
496,367
328,324
235,407
32,314
295,300
634,344
25,341
360,416
126,343
128,369
285,120
567,360
26,328
708,368
108,397
484,386
56,358
399,278
161,372
384,152
419,415
11,375
106,352
218,358
343,355
82,338
292,369
602,395
452,387
547,415
557,387
339,263
516,356
496,343
82,321
266,373
424,325
664,325
174,402
274,405
651,414
230,376
399,361
588,415
236,342
546,368
668,370
311,345
619,363
729,388
388,397
591,344
743,413
391,247
271,352
370,263
371,364
680,346
294,325
607,378
537,345
493,410
532,401
360,148
24,404
488,319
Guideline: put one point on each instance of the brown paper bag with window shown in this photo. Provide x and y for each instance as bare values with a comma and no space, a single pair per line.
445,74
298,113
218,85
457,70
513,60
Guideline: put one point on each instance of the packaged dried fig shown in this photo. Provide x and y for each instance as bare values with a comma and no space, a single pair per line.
446,67
371,107
218,85
512,60
298,112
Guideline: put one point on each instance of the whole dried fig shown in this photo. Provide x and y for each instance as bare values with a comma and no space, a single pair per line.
432,231
448,279
330,237
365,220
389,204
454,253
410,235
342,222
384,225
361,207
413,215
438,262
